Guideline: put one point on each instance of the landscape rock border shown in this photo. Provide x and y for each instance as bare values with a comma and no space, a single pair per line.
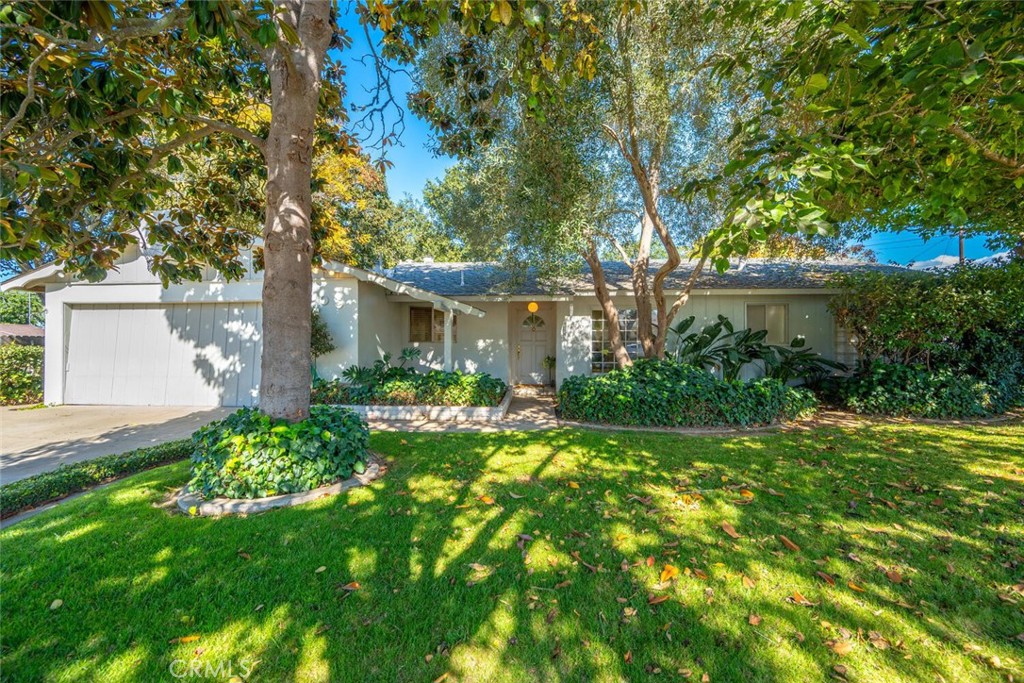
191,504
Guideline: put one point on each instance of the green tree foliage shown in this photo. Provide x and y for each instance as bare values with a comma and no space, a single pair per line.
581,117
904,116
23,308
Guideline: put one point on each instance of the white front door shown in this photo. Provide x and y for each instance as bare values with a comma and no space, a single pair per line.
533,332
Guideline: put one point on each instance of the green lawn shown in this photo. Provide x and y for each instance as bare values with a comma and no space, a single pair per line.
445,590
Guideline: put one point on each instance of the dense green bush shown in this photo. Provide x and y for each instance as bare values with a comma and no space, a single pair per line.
21,374
914,391
251,455
403,386
670,394
67,479
961,321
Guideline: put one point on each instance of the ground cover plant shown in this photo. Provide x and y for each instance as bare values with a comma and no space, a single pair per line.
870,552
71,478
251,455
666,393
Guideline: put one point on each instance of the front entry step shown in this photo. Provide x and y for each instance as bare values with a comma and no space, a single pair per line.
533,390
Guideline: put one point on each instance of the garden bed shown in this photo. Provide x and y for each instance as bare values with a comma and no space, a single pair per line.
436,413
191,504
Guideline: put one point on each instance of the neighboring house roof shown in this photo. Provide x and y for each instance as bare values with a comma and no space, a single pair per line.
29,335
487,278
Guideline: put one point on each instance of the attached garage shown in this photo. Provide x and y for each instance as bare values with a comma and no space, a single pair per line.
180,354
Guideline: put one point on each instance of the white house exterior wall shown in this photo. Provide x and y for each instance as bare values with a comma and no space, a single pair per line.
481,344
808,315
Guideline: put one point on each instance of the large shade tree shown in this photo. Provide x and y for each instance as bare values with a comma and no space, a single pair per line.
580,139
99,98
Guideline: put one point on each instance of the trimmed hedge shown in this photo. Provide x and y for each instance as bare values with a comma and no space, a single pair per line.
251,455
664,393
67,479
407,387
21,374
913,391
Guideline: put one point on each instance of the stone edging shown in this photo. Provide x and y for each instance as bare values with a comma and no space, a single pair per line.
191,504
435,413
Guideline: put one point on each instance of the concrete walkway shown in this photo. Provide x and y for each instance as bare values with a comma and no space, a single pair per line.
39,440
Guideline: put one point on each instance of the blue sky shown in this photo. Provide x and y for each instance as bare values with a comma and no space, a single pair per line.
415,164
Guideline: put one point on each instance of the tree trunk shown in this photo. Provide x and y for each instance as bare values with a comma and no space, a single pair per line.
611,313
641,288
288,246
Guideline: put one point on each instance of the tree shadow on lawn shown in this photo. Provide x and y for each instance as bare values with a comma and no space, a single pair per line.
443,586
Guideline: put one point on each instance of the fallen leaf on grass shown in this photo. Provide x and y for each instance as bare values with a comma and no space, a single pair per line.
729,529
669,573
650,560
700,574
840,647
244,555
56,604
573,485
799,599
486,500
563,584
320,569
351,586
826,578
515,495
746,493
183,639
479,567
754,620
789,544
748,582
628,657
656,599
894,576
855,587
876,639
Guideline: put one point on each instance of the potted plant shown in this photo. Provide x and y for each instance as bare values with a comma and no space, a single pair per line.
549,363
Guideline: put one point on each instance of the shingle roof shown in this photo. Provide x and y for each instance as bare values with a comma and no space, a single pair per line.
21,334
488,278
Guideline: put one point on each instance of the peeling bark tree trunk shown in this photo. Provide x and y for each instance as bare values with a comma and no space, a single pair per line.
295,79
611,313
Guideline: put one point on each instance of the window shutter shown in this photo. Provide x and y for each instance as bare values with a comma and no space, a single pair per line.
420,324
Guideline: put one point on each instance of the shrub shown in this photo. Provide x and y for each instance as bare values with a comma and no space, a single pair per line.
968,320
67,479
21,374
402,386
671,394
914,391
251,455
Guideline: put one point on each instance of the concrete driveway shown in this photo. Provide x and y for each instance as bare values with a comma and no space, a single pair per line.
39,440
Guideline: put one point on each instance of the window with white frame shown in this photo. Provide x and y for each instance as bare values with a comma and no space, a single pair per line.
427,325
771,317
602,358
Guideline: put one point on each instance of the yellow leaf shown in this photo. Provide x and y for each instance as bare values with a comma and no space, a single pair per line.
669,573
573,485
183,639
855,587
746,493
486,500
505,12
748,582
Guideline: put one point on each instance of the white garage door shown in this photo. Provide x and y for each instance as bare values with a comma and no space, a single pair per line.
174,355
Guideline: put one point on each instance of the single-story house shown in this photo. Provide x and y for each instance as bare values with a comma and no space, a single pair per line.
20,333
129,340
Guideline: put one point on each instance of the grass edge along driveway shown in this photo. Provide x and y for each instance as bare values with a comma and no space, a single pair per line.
563,555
